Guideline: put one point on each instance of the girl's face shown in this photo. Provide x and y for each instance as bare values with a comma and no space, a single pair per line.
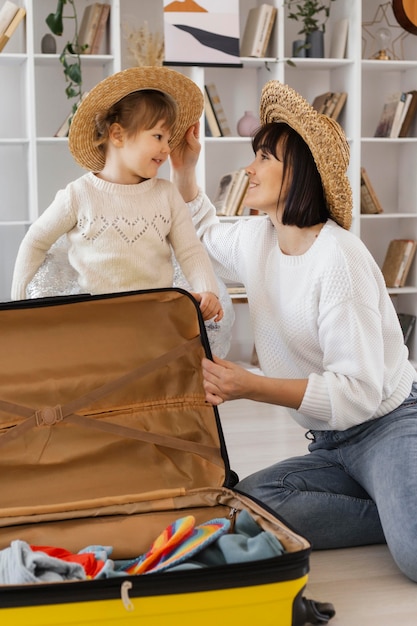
140,156
265,191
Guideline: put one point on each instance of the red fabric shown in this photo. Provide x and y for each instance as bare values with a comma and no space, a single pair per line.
91,565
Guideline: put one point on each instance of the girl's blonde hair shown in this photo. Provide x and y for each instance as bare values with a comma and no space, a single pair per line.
140,110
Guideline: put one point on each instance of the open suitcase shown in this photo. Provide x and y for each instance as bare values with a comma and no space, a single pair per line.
105,439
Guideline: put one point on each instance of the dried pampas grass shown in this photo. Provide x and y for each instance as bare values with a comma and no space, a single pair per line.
144,47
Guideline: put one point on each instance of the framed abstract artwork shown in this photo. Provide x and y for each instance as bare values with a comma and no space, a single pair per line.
201,32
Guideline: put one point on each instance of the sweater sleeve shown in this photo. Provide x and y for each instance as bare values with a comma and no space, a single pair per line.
352,386
223,241
56,220
188,249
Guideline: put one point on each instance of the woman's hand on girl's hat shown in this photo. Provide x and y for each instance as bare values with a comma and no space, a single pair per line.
183,162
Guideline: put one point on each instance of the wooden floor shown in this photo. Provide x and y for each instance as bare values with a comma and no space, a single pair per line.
364,584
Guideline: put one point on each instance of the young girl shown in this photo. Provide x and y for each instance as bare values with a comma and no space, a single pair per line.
121,221
326,333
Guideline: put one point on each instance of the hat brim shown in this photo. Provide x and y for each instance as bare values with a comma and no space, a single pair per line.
183,90
325,138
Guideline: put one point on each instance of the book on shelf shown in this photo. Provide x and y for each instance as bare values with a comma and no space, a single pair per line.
339,38
330,103
319,103
407,323
217,107
230,192
7,34
88,26
207,129
223,192
384,126
267,33
236,289
101,28
398,116
212,128
240,187
369,200
335,105
258,30
409,113
397,262
63,130
7,13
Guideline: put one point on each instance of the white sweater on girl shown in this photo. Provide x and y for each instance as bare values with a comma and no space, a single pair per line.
119,238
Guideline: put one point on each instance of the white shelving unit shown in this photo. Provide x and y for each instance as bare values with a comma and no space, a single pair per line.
34,164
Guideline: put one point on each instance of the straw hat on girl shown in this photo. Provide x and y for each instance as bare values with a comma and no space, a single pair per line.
82,139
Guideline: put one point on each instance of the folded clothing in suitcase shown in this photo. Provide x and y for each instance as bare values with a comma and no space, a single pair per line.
106,439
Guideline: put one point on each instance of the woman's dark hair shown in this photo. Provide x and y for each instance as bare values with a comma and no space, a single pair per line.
305,204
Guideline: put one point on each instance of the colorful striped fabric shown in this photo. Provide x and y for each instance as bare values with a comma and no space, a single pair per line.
177,543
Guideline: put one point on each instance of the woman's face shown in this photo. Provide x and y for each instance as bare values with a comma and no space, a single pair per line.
265,191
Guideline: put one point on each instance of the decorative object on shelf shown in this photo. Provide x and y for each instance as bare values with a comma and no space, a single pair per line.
383,42
48,44
197,35
315,44
298,49
381,35
143,46
312,15
70,57
405,12
247,124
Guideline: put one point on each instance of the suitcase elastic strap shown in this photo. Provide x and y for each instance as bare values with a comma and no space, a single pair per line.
48,416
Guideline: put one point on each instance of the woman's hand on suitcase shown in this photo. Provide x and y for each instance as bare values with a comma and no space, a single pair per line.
224,380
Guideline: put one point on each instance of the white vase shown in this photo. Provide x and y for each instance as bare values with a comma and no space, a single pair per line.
247,124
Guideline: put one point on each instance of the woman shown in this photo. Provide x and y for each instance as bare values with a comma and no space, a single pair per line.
326,333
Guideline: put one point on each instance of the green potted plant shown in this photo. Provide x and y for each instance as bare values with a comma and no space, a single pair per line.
312,15
70,56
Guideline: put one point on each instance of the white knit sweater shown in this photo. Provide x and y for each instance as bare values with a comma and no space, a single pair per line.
119,238
324,315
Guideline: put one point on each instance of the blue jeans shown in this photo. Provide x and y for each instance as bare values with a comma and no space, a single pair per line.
356,487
